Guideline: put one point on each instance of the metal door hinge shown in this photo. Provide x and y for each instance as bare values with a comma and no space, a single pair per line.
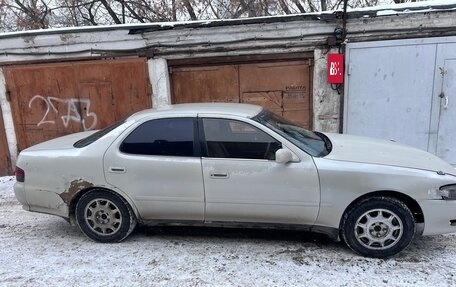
8,96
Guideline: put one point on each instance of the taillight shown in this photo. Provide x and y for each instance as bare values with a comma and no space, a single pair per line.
20,174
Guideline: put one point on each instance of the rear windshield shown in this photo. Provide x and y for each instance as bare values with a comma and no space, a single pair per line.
95,136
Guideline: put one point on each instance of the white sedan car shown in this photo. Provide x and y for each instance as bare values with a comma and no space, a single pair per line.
242,166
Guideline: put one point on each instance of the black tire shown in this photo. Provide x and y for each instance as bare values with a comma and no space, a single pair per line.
104,217
378,227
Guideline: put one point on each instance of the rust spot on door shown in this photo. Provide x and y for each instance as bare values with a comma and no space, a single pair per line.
74,187
282,87
51,100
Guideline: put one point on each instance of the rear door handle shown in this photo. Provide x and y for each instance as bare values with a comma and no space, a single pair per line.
117,169
219,175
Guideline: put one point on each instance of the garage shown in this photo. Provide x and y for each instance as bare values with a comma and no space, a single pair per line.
55,99
281,86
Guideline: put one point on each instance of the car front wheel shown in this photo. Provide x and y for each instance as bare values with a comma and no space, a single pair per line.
378,227
104,216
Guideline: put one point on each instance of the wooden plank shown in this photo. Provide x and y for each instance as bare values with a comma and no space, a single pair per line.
271,100
205,84
282,87
129,85
51,100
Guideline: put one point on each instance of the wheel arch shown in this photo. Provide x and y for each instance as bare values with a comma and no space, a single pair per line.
411,203
77,197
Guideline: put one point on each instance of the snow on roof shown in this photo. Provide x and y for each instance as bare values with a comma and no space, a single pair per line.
375,11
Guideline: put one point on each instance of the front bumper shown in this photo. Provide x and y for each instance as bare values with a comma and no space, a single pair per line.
439,216
19,191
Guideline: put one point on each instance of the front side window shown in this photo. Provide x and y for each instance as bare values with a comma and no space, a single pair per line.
313,143
171,137
235,139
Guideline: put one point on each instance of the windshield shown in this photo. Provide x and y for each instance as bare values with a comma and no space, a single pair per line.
313,143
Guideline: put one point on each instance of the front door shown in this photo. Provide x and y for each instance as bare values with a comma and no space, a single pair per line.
243,182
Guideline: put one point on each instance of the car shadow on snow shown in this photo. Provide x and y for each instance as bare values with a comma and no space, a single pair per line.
422,249
234,233
277,237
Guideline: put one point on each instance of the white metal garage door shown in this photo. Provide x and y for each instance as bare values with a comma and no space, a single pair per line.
404,90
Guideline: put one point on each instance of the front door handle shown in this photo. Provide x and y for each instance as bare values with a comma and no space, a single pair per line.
219,175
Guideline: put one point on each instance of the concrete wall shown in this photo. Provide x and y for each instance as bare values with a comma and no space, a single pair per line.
326,101
8,120
159,79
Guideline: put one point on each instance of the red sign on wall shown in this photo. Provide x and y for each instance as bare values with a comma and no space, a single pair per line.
335,68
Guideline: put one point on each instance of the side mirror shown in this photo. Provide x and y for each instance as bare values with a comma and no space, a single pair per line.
283,156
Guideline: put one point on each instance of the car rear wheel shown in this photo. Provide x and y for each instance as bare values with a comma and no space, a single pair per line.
378,227
104,216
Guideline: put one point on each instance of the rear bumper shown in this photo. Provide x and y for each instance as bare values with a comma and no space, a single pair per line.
41,201
439,216
19,192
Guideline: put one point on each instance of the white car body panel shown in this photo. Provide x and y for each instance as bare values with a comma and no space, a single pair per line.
310,191
162,187
339,189
283,193
376,151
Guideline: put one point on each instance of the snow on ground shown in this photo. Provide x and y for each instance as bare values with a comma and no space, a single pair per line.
43,250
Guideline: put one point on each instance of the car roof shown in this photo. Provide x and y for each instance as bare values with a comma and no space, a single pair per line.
234,109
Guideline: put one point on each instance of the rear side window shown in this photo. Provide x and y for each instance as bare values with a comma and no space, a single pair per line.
171,137
236,139
95,136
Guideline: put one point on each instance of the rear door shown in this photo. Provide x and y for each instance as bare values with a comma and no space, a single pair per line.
242,181
158,165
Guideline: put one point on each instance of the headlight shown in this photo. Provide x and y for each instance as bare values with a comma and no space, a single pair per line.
448,192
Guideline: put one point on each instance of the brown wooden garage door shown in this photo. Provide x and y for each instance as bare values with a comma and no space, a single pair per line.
51,100
283,87
5,163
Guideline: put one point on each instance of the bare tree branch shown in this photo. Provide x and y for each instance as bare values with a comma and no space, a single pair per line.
323,5
284,7
190,10
300,7
110,12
